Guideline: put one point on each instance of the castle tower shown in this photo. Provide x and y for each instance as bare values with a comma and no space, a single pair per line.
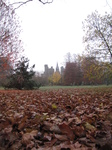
57,68
46,70
62,70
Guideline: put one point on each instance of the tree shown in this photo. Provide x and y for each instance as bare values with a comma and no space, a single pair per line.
92,70
98,35
21,78
79,74
105,72
55,78
10,45
68,57
18,4
5,69
39,79
70,73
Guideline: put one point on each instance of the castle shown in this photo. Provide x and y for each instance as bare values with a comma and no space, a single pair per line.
49,71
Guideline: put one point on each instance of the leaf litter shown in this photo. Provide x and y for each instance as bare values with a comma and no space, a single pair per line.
71,119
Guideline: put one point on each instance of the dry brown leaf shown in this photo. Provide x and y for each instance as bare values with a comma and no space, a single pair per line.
67,130
79,131
82,117
27,137
61,137
55,128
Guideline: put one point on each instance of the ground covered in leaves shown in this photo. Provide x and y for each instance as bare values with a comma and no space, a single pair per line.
64,119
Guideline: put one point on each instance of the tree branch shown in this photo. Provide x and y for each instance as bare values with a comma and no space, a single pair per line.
108,4
23,3
46,2
106,43
104,39
20,4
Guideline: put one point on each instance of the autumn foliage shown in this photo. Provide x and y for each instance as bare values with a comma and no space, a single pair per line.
71,119
55,78
87,70
72,74
10,44
5,68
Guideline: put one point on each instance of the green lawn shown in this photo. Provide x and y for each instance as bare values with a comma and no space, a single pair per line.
1,88
72,87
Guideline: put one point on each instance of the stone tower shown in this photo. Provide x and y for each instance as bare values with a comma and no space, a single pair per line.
57,68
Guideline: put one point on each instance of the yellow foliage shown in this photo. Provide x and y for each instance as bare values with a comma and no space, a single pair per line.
55,78
54,106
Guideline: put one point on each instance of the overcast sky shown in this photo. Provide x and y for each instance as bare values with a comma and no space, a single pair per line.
51,31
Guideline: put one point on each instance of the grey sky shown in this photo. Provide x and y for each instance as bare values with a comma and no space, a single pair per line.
51,31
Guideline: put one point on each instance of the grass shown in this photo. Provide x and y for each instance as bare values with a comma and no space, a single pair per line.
73,87
1,88
44,88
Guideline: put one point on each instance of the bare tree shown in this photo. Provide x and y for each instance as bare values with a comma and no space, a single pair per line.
98,34
10,44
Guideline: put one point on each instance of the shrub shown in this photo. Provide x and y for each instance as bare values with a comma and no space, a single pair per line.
21,78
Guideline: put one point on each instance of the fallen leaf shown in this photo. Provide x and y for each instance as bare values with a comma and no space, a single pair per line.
61,137
88,126
65,129
27,137
79,131
54,106
55,128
